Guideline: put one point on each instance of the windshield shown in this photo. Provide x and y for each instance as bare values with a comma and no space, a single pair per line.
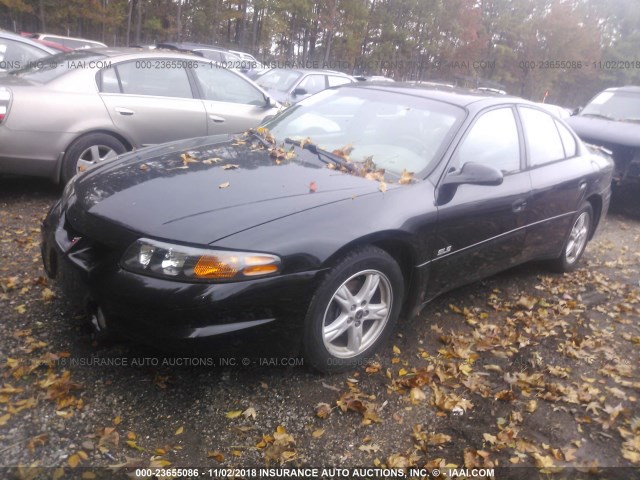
281,80
621,106
396,131
52,67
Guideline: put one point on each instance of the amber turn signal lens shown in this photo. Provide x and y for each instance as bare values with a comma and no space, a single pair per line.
211,267
259,270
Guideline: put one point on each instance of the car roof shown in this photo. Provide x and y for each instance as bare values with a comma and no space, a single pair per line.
134,52
314,70
26,40
190,46
454,95
627,88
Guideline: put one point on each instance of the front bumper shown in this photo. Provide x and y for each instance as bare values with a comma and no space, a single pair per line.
263,315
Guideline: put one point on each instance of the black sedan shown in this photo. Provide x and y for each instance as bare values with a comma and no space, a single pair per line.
612,120
319,229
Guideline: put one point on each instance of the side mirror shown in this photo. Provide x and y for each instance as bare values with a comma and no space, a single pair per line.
576,111
475,174
269,102
299,91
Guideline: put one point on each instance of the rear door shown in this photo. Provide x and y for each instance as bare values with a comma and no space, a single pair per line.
481,227
233,103
559,181
152,100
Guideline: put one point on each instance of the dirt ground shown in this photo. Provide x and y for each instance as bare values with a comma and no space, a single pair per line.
526,369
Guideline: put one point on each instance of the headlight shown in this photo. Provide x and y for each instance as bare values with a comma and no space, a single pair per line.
178,262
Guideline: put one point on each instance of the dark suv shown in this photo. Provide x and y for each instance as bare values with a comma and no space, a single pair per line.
612,120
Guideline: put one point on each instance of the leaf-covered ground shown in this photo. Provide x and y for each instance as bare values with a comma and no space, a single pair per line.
525,369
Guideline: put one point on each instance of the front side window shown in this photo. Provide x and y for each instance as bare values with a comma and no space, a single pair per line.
543,138
492,141
221,85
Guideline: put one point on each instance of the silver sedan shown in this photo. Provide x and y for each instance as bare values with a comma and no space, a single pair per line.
70,111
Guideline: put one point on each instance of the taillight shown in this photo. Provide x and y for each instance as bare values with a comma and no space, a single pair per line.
5,99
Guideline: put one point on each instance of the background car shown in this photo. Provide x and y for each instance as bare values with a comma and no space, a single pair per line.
17,51
69,42
373,78
87,106
210,52
612,120
320,227
289,86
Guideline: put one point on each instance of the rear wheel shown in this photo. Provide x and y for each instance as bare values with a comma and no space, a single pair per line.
88,151
354,310
577,240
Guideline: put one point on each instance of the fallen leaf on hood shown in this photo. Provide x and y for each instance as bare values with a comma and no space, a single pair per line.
187,159
224,185
313,187
211,161
406,178
230,166
382,187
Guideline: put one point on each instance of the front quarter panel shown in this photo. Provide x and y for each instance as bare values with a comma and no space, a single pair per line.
312,239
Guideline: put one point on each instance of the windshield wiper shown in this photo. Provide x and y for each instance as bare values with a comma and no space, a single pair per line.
328,156
265,143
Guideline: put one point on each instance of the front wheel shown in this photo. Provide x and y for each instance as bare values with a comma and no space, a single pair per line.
354,310
577,240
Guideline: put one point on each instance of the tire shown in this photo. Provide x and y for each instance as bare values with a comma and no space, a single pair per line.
89,150
576,242
365,289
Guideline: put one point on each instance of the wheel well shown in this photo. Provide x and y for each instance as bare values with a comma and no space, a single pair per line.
115,135
400,251
596,205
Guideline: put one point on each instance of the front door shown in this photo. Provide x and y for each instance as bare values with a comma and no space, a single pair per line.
481,227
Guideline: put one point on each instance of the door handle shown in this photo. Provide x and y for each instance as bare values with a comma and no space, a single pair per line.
124,111
216,118
519,205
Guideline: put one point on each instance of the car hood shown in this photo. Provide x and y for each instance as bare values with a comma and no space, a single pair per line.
593,129
186,191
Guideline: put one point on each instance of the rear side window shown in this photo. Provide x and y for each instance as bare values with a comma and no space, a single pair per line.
51,67
313,84
493,141
568,141
135,79
543,138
